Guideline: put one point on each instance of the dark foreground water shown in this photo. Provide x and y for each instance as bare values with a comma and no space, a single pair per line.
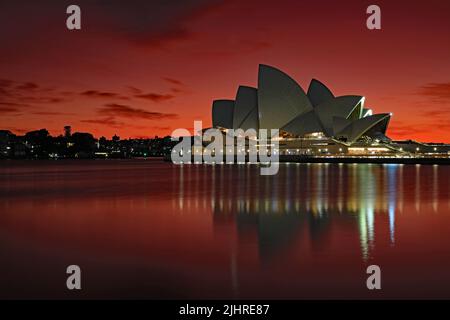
149,229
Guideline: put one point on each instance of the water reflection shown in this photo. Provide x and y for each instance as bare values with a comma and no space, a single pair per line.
304,198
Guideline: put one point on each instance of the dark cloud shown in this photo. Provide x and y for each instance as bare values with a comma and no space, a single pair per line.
103,94
144,22
155,97
5,87
25,94
39,99
228,50
134,90
176,90
137,93
13,104
173,81
6,83
8,109
119,110
436,91
27,86
150,23
106,121
12,108
95,93
51,113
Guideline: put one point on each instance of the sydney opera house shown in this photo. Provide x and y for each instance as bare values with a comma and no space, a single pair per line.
316,122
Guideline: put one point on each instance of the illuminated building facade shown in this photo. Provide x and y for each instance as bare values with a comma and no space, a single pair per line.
314,123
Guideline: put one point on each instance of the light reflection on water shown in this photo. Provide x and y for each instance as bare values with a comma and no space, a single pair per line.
306,193
307,232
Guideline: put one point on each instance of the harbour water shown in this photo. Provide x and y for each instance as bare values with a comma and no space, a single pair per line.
150,229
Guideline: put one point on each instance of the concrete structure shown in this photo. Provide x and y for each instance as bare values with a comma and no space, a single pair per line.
314,123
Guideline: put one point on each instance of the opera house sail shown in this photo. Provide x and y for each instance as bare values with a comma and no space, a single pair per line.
315,122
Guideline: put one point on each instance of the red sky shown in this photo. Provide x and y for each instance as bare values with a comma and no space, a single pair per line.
143,68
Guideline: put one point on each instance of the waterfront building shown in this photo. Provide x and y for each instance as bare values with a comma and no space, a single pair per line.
316,122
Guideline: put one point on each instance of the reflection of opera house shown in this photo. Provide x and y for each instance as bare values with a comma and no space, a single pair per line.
315,123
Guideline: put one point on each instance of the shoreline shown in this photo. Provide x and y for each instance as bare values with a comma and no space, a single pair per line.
392,160
282,159
355,160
